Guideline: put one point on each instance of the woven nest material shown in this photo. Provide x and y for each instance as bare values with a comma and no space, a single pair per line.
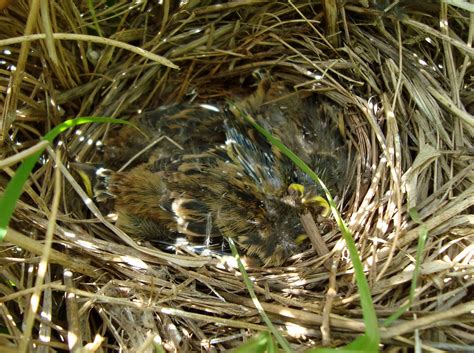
400,74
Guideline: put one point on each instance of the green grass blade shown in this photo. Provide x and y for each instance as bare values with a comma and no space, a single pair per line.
90,6
15,186
370,317
256,344
416,272
248,283
361,344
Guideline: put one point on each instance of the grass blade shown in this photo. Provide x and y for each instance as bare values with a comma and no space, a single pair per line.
372,336
15,186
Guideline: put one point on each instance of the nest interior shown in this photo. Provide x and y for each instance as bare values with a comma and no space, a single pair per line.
399,78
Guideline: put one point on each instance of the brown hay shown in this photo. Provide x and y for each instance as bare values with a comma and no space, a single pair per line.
405,87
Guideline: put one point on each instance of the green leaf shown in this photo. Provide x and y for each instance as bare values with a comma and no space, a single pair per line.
257,344
362,344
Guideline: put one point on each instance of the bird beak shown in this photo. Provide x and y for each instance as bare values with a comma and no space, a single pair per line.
88,174
319,201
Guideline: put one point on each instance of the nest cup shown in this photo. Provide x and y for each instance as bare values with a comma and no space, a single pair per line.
398,86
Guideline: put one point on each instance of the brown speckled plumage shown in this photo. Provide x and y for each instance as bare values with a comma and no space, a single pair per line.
226,180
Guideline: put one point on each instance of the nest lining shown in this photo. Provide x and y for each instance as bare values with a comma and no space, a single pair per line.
406,104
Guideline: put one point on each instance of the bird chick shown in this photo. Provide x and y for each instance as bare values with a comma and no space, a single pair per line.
224,179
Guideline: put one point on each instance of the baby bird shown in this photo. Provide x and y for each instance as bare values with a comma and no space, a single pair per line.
221,178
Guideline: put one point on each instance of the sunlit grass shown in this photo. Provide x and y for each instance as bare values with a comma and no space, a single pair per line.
265,341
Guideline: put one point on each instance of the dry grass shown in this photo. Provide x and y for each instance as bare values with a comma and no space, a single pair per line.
403,78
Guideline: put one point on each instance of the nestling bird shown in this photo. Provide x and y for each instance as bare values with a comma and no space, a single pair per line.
225,180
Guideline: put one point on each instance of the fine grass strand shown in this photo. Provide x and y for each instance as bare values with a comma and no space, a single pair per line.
94,39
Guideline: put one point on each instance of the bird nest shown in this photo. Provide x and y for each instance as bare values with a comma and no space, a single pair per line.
399,80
